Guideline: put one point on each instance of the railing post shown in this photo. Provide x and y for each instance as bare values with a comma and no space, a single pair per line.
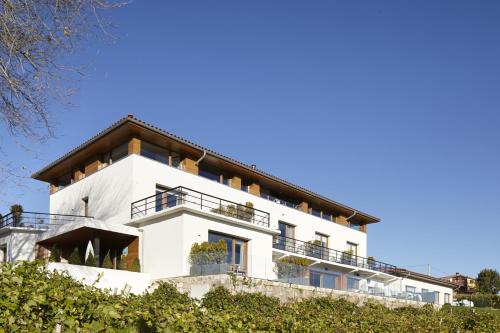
201,201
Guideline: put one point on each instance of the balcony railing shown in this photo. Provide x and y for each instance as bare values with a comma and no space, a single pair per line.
35,220
310,249
191,198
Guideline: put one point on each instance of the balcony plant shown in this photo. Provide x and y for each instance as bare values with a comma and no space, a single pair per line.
17,214
136,265
292,269
347,257
314,249
371,262
248,212
90,261
208,258
106,262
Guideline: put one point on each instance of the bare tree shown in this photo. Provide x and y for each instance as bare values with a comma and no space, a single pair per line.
37,38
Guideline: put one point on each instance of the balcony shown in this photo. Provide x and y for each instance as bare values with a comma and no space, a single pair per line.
310,249
35,220
190,198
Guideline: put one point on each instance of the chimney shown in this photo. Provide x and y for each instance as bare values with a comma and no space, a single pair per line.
254,166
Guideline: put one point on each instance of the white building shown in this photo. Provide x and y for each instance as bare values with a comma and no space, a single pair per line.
137,190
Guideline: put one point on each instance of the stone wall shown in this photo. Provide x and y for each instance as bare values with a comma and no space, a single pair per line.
197,286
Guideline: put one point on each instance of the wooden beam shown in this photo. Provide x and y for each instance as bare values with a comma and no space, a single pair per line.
134,146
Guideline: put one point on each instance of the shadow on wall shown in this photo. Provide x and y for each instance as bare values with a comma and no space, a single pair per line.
21,246
107,197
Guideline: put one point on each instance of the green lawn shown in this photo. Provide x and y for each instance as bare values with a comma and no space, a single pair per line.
496,312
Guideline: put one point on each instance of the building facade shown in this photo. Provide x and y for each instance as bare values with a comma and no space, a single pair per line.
137,192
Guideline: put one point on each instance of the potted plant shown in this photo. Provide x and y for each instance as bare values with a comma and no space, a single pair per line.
292,269
248,212
17,214
314,249
371,262
208,258
347,257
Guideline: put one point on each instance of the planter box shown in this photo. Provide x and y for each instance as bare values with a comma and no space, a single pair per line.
209,269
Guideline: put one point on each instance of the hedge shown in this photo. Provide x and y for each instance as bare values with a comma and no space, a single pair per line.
33,299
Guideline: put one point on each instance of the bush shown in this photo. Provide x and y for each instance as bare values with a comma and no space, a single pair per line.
291,267
208,253
75,258
55,254
123,263
90,262
33,299
106,262
136,265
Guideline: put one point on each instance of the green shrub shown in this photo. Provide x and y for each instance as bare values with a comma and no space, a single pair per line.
33,299
55,254
136,265
75,258
208,253
291,267
106,262
90,262
123,263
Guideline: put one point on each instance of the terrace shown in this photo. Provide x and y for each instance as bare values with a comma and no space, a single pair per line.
34,220
182,196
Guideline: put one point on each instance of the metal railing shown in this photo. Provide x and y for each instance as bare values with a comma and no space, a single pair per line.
192,198
310,249
35,220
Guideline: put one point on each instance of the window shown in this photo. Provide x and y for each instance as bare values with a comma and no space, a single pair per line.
245,186
226,180
64,181
322,239
323,280
286,230
352,248
164,199
315,279
354,226
236,249
326,216
118,153
316,212
352,283
209,173
447,298
410,289
175,160
154,152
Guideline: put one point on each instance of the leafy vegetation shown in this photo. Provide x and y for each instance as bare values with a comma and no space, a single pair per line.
208,253
291,267
106,262
74,257
90,261
33,299
488,281
55,254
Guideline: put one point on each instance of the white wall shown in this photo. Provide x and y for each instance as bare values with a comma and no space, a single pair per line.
109,191
20,243
115,280
167,243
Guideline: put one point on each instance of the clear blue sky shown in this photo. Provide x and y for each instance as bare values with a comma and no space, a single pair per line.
390,107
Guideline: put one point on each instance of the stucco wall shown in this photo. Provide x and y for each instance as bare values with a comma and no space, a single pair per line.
20,243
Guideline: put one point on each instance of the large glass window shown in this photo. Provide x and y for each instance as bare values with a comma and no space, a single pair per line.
209,173
154,152
352,283
119,152
322,239
410,289
236,249
447,298
315,279
352,248
316,212
286,230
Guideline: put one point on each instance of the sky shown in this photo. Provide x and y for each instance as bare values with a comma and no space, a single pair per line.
391,107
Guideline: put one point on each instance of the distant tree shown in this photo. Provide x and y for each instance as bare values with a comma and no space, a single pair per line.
488,281
75,258
55,254
17,214
106,262
90,262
